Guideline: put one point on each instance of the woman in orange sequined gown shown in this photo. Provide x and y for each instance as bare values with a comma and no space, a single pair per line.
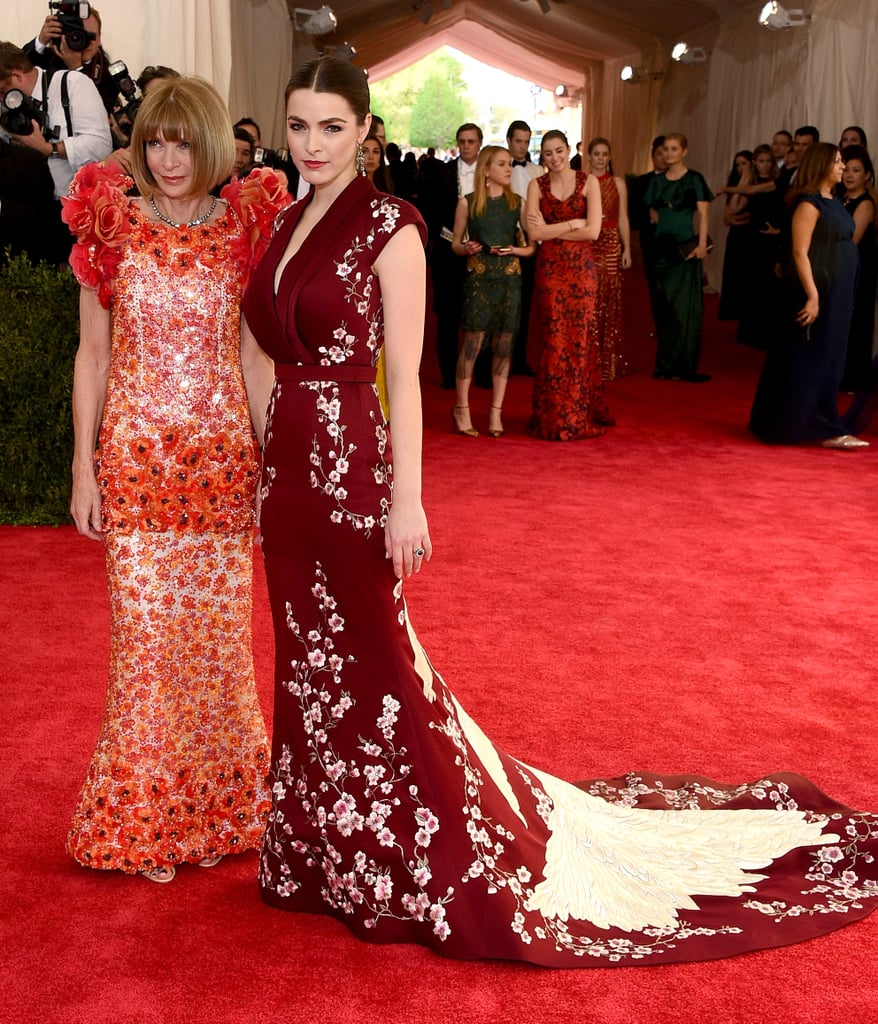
178,772
612,254
564,215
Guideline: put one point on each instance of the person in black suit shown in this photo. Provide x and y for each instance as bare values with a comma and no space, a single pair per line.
638,215
30,219
441,186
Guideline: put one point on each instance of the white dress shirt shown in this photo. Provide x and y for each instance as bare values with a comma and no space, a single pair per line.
91,139
466,176
523,176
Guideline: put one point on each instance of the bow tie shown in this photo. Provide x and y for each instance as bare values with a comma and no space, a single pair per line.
519,163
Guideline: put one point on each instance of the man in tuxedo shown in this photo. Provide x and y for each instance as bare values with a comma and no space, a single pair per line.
523,172
441,187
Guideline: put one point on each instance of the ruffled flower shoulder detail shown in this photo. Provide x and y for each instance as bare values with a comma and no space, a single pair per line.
98,212
257,200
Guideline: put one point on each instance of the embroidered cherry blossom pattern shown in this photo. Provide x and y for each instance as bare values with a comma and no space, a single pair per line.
328,474
686,797
353,796
833,868
269,473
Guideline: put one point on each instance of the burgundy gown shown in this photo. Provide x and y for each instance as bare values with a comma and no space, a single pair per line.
392,811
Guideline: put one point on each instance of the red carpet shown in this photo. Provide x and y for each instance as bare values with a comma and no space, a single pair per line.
673,596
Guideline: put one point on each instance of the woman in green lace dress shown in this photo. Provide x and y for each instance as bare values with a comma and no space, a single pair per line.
489,218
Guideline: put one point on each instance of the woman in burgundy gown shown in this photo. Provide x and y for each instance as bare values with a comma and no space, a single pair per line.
392,811
564,215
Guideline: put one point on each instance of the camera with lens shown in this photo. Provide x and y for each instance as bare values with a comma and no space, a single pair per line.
72,16
277,159
18,111
129,101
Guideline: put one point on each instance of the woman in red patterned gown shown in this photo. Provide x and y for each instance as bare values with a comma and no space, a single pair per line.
178,772
564,215
392,811
612,255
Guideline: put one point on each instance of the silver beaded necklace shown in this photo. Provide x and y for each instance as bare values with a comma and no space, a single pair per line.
189,224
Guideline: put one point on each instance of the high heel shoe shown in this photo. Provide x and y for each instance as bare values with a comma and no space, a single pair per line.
495,431
469,431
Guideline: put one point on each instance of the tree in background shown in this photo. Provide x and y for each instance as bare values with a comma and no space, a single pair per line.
426,101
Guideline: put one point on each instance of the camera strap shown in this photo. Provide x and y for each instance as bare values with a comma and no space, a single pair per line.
65,97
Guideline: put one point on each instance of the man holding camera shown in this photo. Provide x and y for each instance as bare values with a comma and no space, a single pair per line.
69,41
60,115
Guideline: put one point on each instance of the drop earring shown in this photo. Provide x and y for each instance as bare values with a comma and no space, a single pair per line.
361,159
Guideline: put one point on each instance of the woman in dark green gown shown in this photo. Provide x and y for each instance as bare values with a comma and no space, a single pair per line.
679,203
489,218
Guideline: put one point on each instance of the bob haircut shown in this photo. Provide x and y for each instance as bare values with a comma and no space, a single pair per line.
814,167
679,137
191,110
332,74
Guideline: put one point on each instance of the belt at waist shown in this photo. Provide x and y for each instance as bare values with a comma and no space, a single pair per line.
342,372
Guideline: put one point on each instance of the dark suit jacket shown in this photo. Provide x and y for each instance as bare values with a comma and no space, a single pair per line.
437,196
30,217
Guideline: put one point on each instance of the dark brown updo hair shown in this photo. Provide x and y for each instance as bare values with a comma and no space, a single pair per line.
332,74
554,133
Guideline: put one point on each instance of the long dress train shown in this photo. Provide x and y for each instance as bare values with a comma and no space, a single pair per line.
392,810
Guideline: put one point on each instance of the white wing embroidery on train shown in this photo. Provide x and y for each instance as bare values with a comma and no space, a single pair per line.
633,868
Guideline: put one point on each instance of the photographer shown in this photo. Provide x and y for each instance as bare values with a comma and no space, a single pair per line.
51,51
69,128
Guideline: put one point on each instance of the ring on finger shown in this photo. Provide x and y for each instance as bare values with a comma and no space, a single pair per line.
419,552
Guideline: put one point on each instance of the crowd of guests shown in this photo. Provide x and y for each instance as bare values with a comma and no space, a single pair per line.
542,281
799,277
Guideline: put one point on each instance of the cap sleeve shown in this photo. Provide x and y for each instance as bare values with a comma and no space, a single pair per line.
388,215
100,215
257,200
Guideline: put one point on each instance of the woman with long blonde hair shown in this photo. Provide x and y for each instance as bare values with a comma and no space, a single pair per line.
489,217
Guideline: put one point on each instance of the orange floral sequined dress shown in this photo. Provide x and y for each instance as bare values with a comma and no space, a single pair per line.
178,773
607,253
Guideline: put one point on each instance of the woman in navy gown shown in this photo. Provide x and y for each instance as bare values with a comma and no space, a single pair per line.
392,811
797,396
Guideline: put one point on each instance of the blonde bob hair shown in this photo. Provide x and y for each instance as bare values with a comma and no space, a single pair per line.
185,109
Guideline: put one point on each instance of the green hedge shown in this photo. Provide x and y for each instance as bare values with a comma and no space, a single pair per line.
39,330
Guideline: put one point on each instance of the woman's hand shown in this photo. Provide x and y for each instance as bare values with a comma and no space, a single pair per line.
699,253
85,503
809,312
471,247
626,259
406,538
